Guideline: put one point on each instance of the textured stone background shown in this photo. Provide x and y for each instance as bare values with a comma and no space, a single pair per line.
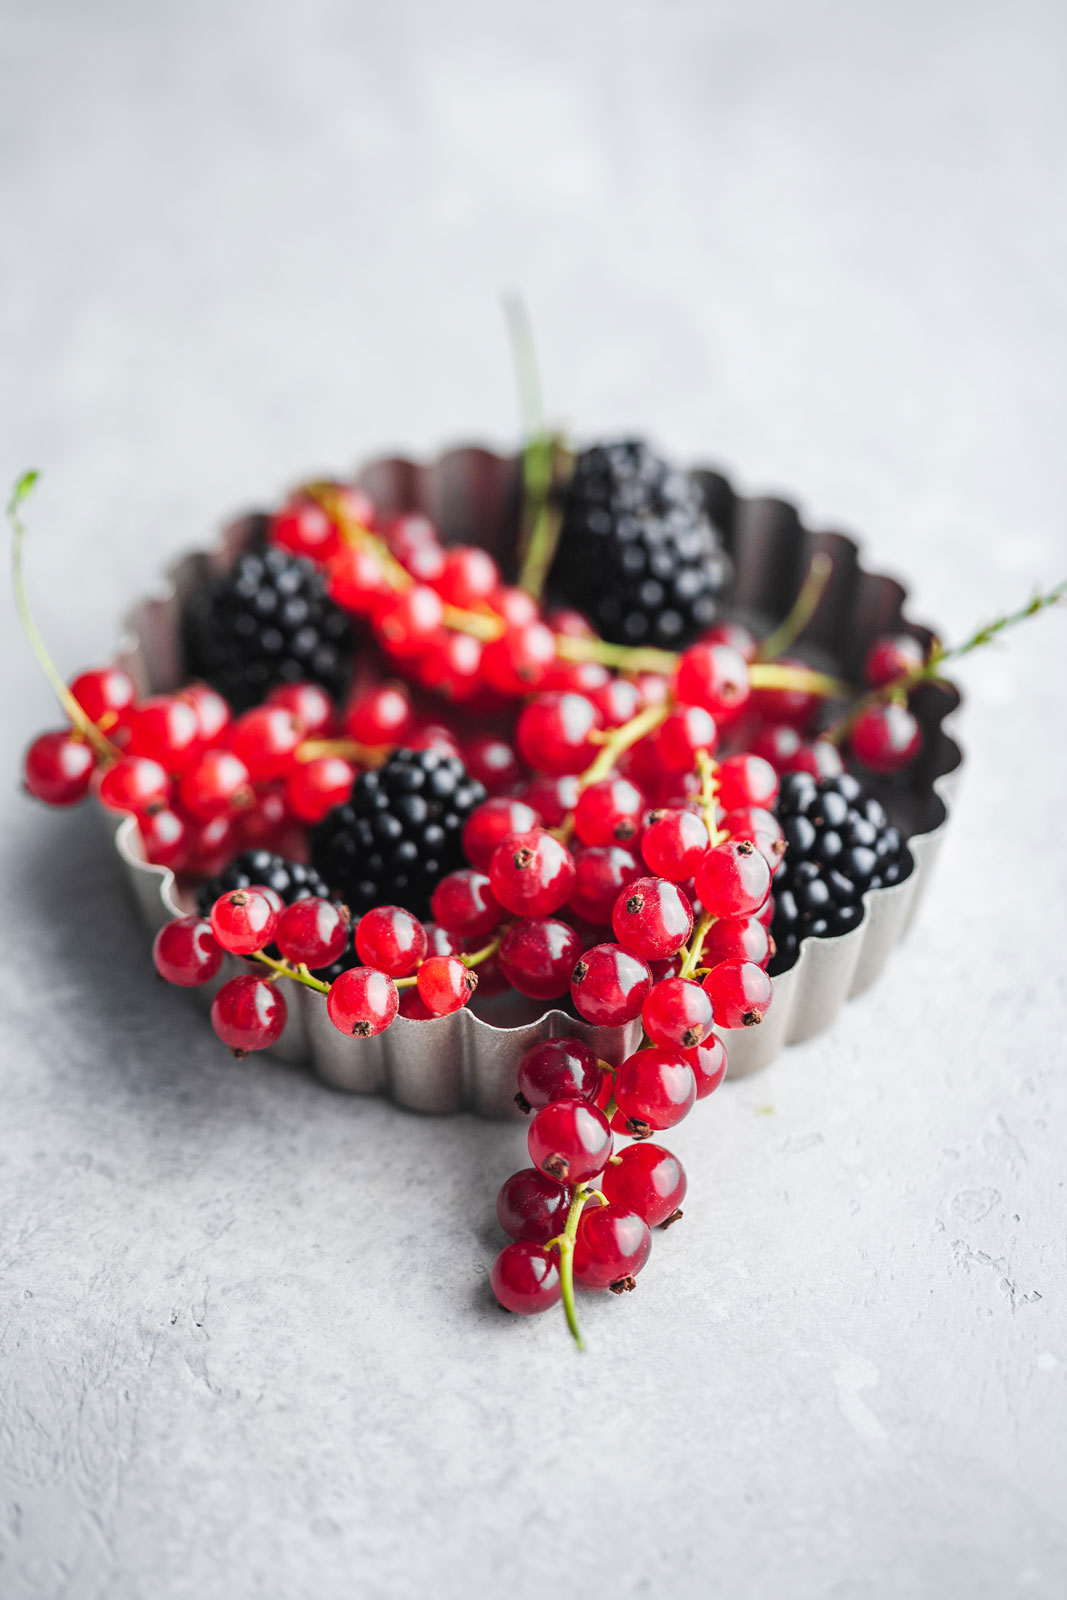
247,1347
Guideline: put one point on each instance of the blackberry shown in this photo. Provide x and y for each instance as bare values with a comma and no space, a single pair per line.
399,832
839,844
637,551
269,620
292,880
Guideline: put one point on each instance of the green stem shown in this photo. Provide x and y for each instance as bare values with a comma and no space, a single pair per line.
623,657
476,957
801,611
566,1261
20,493
691,959
283,969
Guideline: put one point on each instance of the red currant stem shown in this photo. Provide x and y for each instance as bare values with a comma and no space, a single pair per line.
478,956
772,675
625,658
801,611
285,969
606,1066
709,788
696,946
566,1260
364,755
898,688
612,743
20,493
546,522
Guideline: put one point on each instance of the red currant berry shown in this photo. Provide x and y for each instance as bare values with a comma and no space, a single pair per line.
446,984
492,761
309,706
708,1061
439,942
821,758
673,843
611,1246
737,939
609,812
654,1089
135,784
213,715
266,739
248,1014
406,531
554,733
648,1179
514,605
264,823
463,902
531,873
746,780
685,730
217,783
740,994
734,634
677,1014
411,622
618,701
777,744
453,667
558,1069
538,956
795,706
525,1278
518,662
211,848
577,677
733,879
59,768
531,1206
599,874
165,728
304,528
491,823
885,738
381,715
890,657
609,985
713,676
186,952
104,694
391,939
552,798
569,1140
362,1002
316,787
469,575
166,838
312,933
356,579
652,918
243,921
571,624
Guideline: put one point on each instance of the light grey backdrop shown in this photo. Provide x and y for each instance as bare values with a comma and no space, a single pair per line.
247,1342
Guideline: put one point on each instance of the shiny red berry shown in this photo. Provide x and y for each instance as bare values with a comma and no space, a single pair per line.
166,838
165,728
708,1061
538,954
737,939
677,1014
740,994
186,952
491,823
134,783
362,1002
569,1141
244,920
525,1278
248,1014
58,768
713,676
600,872
746,780
733,879
518,661
316,787
304,528
891,657
885,738
411,622
313,932
469,575
392,940
555,731
493,762
266,739
652,918
654,1088
609,812
446,984
308,704
532,1206
552,798
531,873
104,694
618,701
380,715
734,634
611,1246
608,985
558,1069
673,843
464,903
683,732
218,782
648,1179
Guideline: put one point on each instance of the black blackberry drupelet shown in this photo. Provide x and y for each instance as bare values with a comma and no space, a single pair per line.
399,833
637,551
269,620
292,880
839,844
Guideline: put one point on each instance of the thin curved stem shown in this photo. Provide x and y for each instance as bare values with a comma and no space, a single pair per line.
566,1260
284,969
801,611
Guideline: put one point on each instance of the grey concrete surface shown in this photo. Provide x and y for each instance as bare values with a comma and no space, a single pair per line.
247,1346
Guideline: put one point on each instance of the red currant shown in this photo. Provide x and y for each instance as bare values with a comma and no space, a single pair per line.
356,579
618,701
652,918
683,732
411,622
316,787
552,798
59,768
885,738
312,933
740,993
463,902
213,715
677,1014
609,812
600,872
491,823
266,739
569,1140
243,921
819,757
648,1179
308,704
892,656
186,952
734,634
454,666
611,1246
538,956
673,843
554,733
532,873
469,575
737,939
558,1069
713,676
248,1014
518,662
746,780
708,1061
733,879
608,985
104,694
531,1206
362,1002
795,706
525,1278
445,984
654,1088
166,838
135,783
392,940
381,715
167,729
492,761
217,783
304,528
439,942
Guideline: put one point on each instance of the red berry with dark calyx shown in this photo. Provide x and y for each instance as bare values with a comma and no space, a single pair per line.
464,903
713,676
652,918
762,828
166,838
313,932
885,738
362,1002
552,798
733,879
165,728
135,783
308,704
677,1014
518,661
738,939
611,1246
558,1069
244,920
531,874
708,1061
266,739
446,984
609,985
740,994
491,823
673,843
600,872
554,733
648,1179
454,666
104,694
685,731
379,716
531,1206
316,787
609,812
569,1141
492,761
186,952
411,622
217,783
392,940
525,1278
891,657
537,955
654,1089
746,780
248,1013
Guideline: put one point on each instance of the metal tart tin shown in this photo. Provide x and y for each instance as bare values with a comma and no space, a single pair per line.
467,1061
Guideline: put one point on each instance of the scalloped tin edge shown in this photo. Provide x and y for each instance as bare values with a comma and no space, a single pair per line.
467,1061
